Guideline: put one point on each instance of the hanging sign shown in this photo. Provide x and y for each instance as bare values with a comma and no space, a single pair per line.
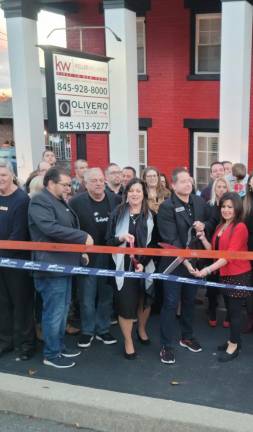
77,92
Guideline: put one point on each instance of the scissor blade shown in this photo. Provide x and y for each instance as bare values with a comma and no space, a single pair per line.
173,265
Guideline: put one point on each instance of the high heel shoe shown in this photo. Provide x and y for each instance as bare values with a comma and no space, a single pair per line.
225,356
143,341
131,356
224,346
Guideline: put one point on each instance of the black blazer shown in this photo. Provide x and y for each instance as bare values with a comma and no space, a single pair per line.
173,223
51,220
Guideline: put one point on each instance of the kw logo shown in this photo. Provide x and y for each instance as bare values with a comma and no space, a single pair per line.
62,66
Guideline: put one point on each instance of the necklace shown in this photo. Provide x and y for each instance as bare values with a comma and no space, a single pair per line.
134,218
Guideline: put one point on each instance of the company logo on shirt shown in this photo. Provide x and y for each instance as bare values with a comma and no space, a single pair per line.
100,219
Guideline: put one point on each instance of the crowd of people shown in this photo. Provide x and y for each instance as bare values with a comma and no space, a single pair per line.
116,208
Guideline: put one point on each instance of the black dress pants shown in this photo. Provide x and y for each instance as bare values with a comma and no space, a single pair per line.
16,310
235,311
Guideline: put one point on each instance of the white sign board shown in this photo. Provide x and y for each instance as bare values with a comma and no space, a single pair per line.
81,94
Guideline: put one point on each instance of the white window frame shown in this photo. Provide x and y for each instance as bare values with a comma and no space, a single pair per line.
143,22
196,135
145,162
198,18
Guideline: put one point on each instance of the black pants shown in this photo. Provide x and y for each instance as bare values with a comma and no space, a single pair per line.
173,293
16,310
235,309
212,295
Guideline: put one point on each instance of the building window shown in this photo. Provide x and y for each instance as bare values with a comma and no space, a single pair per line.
60,145
142,151
141,46
206,151
208,43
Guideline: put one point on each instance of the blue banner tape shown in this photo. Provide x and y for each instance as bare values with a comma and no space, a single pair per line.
88,271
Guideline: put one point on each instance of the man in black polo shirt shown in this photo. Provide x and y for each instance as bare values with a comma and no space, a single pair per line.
96,293
176,215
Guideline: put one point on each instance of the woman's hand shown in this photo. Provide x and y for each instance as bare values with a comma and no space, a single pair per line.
188,265
128,238
139,268
201,235
199,273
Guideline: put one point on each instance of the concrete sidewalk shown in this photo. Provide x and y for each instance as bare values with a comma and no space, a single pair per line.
108,411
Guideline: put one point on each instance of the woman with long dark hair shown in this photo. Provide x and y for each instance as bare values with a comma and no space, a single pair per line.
230,235
220,186
132,224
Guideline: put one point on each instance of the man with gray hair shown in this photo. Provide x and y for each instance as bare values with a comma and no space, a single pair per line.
16,286
77,182
96,293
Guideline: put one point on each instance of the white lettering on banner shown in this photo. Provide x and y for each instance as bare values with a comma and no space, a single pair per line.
81,94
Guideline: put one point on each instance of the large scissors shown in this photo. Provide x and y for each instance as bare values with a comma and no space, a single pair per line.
179,260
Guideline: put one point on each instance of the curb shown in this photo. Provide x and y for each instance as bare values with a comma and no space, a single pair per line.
107,411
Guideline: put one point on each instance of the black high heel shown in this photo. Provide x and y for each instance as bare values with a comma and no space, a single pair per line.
131,356
143,341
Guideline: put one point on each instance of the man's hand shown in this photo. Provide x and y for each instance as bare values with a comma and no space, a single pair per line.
89,241
85,259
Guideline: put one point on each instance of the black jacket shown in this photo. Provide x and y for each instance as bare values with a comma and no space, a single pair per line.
173,225
51,220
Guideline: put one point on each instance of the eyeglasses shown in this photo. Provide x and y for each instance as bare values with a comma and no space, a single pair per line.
65,184
115,172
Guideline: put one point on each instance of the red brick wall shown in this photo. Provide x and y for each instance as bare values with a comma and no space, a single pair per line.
167,97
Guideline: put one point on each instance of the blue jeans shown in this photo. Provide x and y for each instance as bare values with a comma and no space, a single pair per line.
173,293
95,296
56,296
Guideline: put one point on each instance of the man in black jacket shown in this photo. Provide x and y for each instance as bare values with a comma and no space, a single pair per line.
176,215
52,220
16,286
93,208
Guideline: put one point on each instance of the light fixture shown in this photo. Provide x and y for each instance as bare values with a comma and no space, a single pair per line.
81,28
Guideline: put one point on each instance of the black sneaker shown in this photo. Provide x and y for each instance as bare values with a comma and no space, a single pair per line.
107,339
167,355
85,341
59,362
70,353
190,344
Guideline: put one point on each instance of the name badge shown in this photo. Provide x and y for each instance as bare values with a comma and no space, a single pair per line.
3,208
179,209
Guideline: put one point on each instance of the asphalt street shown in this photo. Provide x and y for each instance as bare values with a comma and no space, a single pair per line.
18,423
196,378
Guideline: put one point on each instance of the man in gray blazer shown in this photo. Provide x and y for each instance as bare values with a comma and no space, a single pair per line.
52,220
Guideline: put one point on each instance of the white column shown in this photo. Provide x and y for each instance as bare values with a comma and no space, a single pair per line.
124,140
235,80
26,93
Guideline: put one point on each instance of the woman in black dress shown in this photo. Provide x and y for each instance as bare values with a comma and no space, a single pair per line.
132,224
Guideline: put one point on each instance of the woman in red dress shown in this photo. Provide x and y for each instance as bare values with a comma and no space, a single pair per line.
230,235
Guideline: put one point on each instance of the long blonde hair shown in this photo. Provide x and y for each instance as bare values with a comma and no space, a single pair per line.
213,199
